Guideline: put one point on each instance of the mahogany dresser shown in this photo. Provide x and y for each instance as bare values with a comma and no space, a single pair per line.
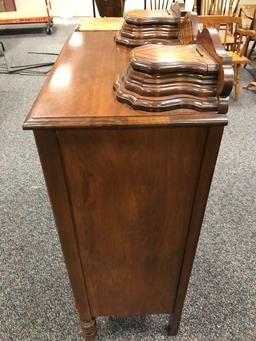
128,187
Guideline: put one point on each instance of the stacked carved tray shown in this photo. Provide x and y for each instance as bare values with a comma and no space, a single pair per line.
150,26
163,78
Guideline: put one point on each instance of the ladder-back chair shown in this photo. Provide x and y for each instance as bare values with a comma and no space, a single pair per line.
219,7
238,54
158,4
163,4
226,25
248,13
238,41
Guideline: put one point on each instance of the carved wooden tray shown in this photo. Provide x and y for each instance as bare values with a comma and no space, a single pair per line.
163,78
150,26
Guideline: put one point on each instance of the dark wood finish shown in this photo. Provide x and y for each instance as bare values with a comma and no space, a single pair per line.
54,174
151,17
158,4
110,8
89,329
184,32
150,26
210,40
128,188
160,78
85,66
188,29
200,199
127,226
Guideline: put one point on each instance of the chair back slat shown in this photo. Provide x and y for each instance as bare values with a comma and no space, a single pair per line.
219,7
226,24
243,38
157,4
248,14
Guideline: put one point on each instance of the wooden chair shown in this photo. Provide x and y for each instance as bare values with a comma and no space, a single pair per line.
163,4
219,7
238,54
158,4
238,41
248,13
225,24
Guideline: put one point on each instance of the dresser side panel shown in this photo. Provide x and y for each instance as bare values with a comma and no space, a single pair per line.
132,192
200,200
52,166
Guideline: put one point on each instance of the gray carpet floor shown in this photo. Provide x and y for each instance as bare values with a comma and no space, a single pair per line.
35,296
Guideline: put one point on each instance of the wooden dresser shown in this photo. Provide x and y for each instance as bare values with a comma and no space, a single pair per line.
128,188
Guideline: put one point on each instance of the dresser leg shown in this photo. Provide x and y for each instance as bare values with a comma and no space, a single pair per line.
89,329
173,327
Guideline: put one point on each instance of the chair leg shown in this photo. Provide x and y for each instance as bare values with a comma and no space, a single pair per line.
237,81
252,49
251,52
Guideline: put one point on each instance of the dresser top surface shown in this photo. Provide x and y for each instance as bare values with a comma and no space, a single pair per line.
79,90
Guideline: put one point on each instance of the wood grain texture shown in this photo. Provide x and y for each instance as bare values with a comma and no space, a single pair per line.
55,178
132,193
199,204
132,35
78,92
157,4
210,40
128,203
150,26
164,78
188,29
100,24
149,17
110,8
